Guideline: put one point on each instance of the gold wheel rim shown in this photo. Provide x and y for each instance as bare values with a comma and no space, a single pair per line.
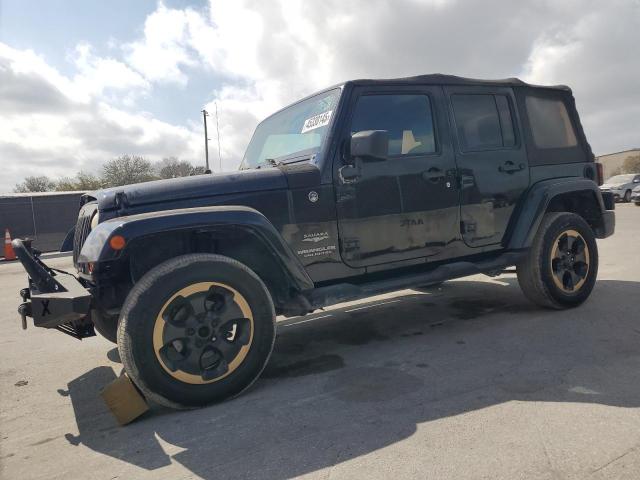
570,261
159,342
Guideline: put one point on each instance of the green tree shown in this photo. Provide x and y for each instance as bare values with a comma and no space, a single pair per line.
87,181
173,168
82,182
127,169
66,184
35,184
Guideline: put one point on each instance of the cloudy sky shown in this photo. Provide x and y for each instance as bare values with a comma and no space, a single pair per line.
83,81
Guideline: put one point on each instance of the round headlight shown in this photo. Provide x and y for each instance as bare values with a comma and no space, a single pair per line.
94,220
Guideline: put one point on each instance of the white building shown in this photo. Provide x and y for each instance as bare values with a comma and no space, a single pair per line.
613,161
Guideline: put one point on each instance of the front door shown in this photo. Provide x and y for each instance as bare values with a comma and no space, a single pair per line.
491,158
407,206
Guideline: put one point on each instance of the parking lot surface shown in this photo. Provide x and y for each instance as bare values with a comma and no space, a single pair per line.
466,380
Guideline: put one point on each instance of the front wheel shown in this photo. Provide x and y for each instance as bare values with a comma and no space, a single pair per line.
627,196
195,330
561,267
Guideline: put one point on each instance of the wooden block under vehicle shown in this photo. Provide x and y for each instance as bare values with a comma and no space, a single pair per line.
124,400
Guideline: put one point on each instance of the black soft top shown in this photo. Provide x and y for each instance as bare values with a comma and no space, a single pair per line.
441,79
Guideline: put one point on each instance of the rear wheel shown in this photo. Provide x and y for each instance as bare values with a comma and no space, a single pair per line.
627,196
561,267
195,330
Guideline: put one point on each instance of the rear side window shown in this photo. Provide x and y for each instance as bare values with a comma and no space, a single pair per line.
483,122
407,118
551,126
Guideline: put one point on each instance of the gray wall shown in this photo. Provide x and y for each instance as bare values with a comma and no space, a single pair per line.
46,218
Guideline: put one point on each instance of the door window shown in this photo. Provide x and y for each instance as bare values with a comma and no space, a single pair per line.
407,118
483,122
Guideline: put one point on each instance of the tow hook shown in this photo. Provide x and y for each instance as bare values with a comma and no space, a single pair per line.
25,311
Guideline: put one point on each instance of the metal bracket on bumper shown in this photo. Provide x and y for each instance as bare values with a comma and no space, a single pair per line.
53,299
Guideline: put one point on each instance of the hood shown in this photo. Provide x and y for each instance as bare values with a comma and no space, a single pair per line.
198,186
613,185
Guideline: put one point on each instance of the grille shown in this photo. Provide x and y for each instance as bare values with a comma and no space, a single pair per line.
83,228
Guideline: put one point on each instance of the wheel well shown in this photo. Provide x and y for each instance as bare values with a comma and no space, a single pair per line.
147,252
583,203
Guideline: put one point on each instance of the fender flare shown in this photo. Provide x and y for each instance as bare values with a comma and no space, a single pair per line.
96,248
67,243
535,202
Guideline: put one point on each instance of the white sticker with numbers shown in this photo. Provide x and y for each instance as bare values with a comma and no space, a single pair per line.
317,121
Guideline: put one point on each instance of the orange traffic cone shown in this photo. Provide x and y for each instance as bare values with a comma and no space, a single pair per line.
9,254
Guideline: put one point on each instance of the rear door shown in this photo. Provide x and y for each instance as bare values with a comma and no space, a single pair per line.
491,159
405,207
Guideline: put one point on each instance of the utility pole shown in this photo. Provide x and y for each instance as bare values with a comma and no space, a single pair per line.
205,114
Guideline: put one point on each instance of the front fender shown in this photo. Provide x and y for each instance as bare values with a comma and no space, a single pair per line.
96,248
535,202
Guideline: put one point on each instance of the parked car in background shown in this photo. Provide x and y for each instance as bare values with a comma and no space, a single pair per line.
635,196
621,186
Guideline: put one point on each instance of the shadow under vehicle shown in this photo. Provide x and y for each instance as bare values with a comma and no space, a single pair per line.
338,389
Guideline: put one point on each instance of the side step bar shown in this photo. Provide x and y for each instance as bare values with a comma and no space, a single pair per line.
343,292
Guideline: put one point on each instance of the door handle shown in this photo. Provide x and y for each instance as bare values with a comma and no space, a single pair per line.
349,173
433,175
510,167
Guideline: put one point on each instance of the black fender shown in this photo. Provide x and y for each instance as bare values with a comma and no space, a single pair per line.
96,248
538,198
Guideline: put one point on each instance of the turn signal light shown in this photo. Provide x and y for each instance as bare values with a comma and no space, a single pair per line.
600,173
117,242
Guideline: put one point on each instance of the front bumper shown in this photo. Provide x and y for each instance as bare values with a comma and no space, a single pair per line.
54,299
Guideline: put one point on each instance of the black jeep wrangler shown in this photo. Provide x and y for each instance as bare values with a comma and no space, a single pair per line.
366,187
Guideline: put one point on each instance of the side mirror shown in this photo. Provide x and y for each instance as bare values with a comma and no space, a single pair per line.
636,180
370,145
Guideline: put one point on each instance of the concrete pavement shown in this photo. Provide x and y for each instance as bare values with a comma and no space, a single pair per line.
464,381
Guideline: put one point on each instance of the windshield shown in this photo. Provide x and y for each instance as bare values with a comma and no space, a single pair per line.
294,133
621,179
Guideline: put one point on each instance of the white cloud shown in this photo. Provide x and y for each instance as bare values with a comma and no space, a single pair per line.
164,49
54,125
275,52
97,74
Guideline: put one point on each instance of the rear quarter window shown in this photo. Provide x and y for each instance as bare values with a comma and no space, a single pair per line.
551,125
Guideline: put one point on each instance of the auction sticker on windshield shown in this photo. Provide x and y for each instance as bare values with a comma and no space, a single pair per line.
317,121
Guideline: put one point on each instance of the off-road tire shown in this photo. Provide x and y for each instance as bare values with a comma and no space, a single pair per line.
149,299
627,196
535,271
